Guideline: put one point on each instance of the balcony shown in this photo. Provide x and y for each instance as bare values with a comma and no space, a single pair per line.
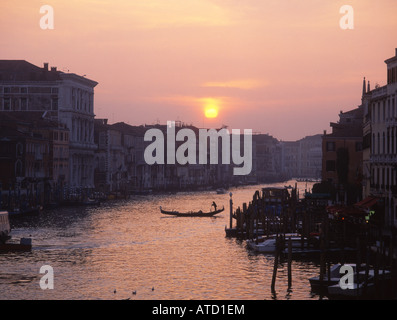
384,158
391,122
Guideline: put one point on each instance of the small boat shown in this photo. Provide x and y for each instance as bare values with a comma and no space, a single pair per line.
24,245
81,203
318,286
192,213
360,287
268,245
25,211
4,226
221,191
91,202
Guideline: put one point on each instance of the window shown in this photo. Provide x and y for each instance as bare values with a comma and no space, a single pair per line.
384,111
330,146
55,104
24,104
330,165
383,144
18,168
6,104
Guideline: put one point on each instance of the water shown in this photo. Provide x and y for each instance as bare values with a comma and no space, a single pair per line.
130,246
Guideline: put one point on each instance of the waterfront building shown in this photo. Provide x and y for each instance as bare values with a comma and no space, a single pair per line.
64,97
302,158
342,163
119,163
310,151
290,158
380,144
266,159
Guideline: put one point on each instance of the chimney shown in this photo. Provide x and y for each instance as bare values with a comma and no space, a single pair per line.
45,66
396,52
364,92
53,69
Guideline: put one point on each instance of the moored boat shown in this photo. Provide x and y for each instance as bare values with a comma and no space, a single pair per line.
269,244
318,285
24,245
5,228
25,211
191,213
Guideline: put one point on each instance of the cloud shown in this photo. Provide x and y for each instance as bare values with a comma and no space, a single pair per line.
246,84
156,14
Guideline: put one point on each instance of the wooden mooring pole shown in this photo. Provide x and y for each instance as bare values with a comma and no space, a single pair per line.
289,263
231,210
276,255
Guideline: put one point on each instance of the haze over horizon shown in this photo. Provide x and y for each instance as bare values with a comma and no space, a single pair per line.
282,67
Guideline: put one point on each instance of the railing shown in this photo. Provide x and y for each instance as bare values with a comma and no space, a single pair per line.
379,92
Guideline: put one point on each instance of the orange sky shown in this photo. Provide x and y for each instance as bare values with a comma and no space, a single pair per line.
282,67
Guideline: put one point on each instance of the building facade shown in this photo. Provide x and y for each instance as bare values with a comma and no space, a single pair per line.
380,137
64,97
302,158
342,161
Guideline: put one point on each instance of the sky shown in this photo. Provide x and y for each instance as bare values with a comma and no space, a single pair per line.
282,67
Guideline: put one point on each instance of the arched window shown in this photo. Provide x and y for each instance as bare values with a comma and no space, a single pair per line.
18,168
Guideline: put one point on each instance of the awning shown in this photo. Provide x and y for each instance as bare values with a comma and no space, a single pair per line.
345,210
367,202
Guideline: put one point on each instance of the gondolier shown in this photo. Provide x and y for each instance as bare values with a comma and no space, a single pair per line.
214,205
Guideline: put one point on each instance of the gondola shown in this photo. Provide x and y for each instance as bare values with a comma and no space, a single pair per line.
192,213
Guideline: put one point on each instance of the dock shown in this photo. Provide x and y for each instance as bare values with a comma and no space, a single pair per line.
328,233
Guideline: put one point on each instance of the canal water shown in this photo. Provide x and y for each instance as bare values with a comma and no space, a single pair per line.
127,246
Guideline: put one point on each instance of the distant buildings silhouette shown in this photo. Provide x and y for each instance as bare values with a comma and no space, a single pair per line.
51,144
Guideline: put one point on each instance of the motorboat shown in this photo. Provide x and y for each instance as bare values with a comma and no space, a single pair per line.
268,244
334,277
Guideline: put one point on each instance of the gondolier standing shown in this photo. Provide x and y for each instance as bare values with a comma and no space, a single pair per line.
214,205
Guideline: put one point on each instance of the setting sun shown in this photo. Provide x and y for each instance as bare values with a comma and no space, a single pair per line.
211,107
211,112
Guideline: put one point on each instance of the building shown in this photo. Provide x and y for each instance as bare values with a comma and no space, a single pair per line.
64,97
119,163
29,169
380,144
342,163
266,159
310,163
302,158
